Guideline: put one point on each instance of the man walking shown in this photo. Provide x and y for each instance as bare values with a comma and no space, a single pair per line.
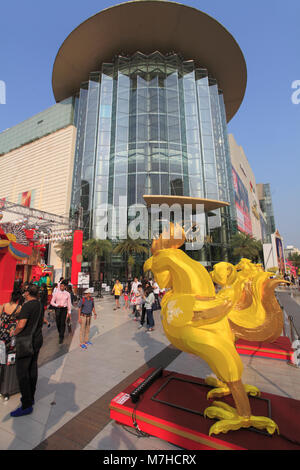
29,325
61,300
86,309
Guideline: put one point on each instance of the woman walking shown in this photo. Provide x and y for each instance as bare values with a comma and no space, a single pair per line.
8,318
149,301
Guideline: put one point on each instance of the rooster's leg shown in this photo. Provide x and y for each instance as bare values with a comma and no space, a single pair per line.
232,419
222,389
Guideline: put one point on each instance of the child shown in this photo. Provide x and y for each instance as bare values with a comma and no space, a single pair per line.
126,293
117,290
85,311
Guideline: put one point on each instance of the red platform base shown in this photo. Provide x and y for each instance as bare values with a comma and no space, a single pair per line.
190,431
279,349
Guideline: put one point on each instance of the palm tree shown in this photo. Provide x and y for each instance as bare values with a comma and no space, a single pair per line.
295,259
129,248
246,246
95,249
64,251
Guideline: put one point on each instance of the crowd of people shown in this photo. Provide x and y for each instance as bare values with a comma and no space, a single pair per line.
143,296
21,323
23,317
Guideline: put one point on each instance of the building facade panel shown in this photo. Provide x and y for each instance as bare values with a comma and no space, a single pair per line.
250,218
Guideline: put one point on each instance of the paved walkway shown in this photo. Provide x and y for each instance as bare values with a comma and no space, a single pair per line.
75,387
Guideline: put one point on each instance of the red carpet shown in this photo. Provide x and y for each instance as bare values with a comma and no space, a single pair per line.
279,349
190,431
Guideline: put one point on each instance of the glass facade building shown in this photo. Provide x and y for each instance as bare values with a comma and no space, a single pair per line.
151,125
266,205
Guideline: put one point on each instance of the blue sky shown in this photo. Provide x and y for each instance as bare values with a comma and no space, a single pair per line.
267,125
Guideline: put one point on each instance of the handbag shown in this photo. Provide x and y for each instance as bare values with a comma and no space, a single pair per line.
24,344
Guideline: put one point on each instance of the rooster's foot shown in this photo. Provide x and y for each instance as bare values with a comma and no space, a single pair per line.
252,390
221,389
231,421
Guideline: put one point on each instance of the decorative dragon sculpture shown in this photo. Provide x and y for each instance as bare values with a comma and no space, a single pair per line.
200,321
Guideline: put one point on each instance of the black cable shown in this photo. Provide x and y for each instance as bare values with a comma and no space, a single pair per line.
135,424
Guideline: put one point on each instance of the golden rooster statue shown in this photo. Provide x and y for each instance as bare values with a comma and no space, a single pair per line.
200,321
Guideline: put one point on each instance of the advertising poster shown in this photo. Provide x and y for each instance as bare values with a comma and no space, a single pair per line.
242,204
279,253
83,280
26,198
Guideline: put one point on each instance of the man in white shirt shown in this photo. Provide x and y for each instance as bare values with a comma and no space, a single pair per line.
61,300
156,293
134,286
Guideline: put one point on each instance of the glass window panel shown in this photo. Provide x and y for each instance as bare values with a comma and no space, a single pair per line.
204,102
104,138
203,83
154,81
122,106
132,165
155,163
105,124
141,163
101,183
176,185
100,198
211,188
133,102
175,164
205,115
123,81
164,178
105,109
208,156
164,163
104,152
192,136
210,171
121,166
163,127
142,104
141,187
174,134
206,128
189,96
191,109
173,106
131,189
162,101
195,187
141,78
195,167
171,81
207,142
191,122
122,134
103,168
142,131
154,184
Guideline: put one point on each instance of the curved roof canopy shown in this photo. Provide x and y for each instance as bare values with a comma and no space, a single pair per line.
209,204
147,26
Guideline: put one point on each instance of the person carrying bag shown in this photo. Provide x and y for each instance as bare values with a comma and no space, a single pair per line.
29,340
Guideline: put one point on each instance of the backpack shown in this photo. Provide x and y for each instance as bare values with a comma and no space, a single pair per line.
83,300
